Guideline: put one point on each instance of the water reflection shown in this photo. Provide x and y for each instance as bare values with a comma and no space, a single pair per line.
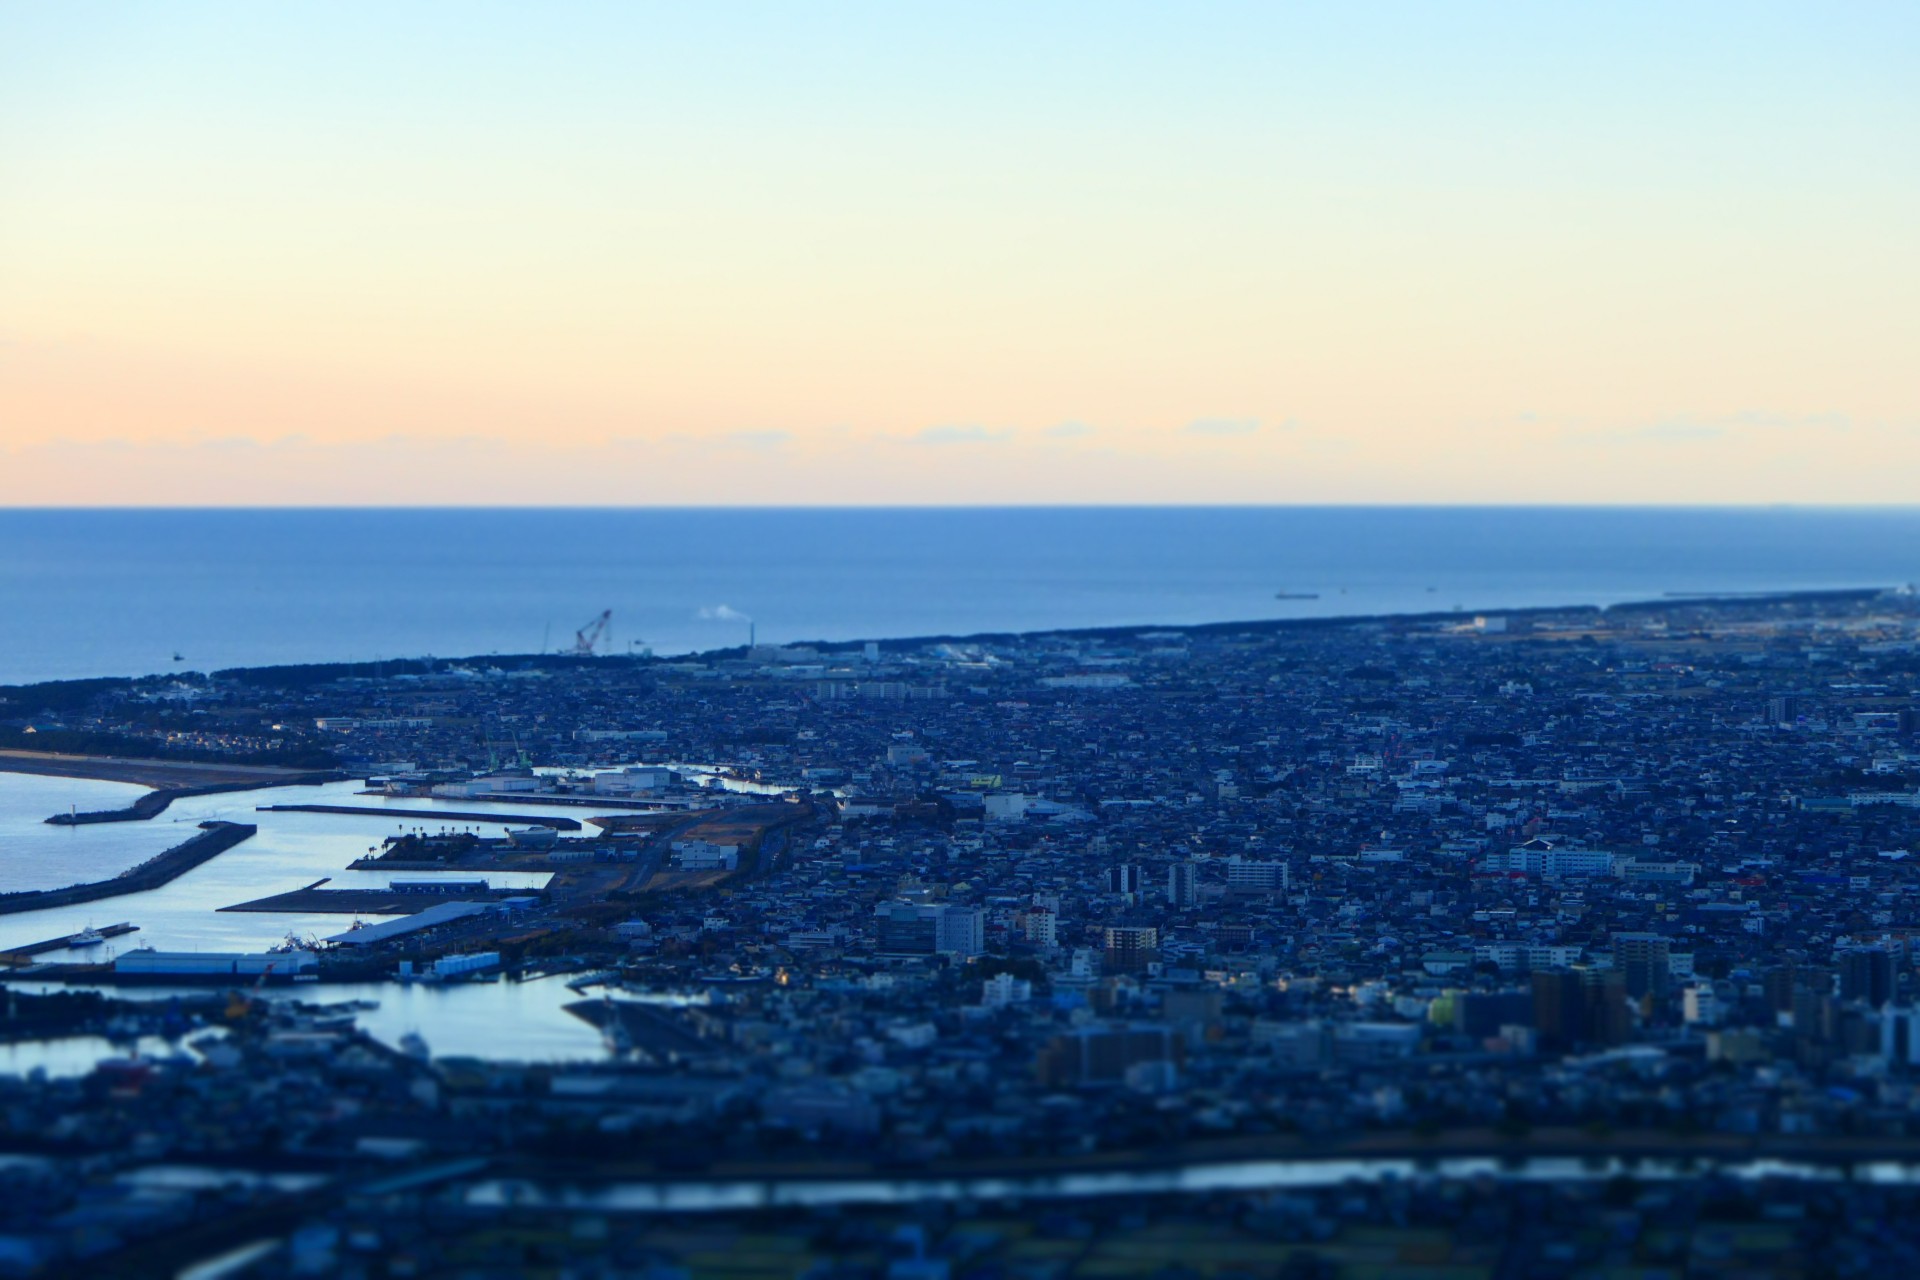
34,855
292,850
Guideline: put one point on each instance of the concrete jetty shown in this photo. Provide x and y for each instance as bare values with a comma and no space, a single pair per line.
21,955
443,815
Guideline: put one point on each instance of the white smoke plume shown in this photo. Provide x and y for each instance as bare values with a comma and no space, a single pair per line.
721,613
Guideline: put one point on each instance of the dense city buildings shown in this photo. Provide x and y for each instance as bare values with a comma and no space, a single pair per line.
1620,885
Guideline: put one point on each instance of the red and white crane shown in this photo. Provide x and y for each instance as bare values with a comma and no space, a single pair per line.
592,634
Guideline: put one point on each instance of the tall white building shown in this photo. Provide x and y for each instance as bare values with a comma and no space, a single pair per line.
1042,927
961,931
1540,858
1004,989
1900,1034
1244,875
1701,1005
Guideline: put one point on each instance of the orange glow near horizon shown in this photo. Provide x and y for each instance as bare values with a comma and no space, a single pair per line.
463,255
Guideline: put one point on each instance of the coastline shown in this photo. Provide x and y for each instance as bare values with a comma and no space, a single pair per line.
315,672
1830,595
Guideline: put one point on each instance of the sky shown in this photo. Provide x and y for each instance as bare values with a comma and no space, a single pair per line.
834,253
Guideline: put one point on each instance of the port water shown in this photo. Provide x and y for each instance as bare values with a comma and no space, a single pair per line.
291,850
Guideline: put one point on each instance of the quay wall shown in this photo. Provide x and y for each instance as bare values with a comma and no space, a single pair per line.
444,815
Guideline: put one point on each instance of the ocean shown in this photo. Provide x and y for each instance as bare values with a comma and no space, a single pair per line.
120,592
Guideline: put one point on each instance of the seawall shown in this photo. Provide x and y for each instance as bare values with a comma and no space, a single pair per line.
214,839
155,802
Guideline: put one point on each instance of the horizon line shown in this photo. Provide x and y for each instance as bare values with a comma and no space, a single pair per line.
1624,505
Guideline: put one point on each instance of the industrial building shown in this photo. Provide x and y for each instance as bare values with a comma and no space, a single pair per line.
282,966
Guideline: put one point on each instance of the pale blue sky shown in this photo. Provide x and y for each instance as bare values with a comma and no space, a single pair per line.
1436,252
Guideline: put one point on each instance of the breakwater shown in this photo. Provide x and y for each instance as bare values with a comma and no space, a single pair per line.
154,803
20,955
214,839
150,805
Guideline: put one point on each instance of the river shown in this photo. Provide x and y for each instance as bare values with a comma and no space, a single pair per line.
697,1195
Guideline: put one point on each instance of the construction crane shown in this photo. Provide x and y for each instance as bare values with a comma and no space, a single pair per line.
240,1004
592,634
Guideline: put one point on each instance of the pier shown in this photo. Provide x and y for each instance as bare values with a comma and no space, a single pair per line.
445,815
371,902
663,804
17,956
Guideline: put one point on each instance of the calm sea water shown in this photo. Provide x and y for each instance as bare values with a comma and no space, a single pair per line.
116,592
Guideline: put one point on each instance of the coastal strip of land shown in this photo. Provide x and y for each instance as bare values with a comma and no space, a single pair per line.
215,838
1334,622
168,780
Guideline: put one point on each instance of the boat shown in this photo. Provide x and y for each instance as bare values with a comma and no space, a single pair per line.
1296,595
414,1045
87,937
179,657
